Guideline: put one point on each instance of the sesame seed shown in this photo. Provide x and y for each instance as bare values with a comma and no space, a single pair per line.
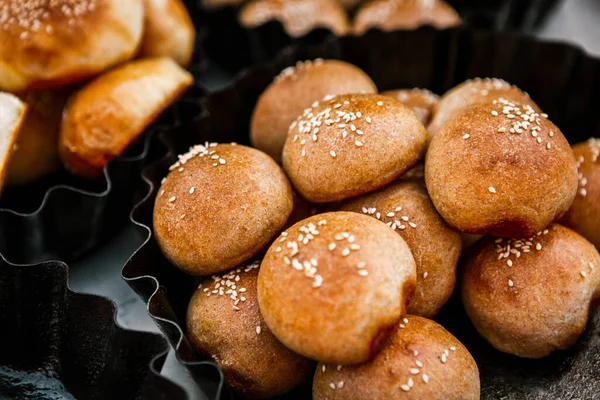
332,153
369,120
548,145
411,383
495,113
511,283
346,252
414,371
323,368
551,133
466,136
544,115
492,189
332,246
538,246
332,385
591,265
358,143
361,265
501,130
340,384
405,320
425,275
236,308
192,189
402,326
452,348
258,330
419,364
412,224
443,358
425,378
380,103
539,140
363,272
509,263
172,199
415,353
583,273
406,388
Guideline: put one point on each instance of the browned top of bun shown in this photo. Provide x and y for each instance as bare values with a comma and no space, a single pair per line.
421,360
421,101
299,17
50,43
12,114
500,169
404,14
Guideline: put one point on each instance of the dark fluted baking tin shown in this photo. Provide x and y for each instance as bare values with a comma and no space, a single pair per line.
233,47
561,78
55,343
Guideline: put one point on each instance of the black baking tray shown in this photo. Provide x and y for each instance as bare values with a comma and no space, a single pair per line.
232,47
562,79
58,344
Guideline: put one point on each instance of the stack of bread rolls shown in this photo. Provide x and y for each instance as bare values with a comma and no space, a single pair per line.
91,76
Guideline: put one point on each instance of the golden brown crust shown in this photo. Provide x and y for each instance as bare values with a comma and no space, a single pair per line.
405,207
485,179
298,17
471,92
52,43
390,15
12,115
530,303
337,296
168,31
421,101
421,360
219,206
36,149
224,324
363,142
584,215
105,116
295,89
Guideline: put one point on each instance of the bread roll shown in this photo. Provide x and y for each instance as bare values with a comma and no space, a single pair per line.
52,43
298,17
421,360
406,208
109,113
421,101
500,169
219,206
224,324
12,114
391,15
348,145
529,297
584,215
168,31
333,286
295,89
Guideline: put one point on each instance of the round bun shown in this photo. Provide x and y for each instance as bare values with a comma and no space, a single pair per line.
532,296
333,286
224,324
348,145
406,208
168,31
298,17
12,115
110,112
421,101
500,169
36,149
219,206
390,15
475,91
420,360
48,43
295,89
584,215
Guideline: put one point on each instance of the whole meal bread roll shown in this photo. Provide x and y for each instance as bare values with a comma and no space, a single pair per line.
529,297
219,206
295,89
12,114
584,215
298,17
53,43
109,113
421,101
224,323
332,287
348,145
500,169
405,207
475,91
168,31
420,360
390,15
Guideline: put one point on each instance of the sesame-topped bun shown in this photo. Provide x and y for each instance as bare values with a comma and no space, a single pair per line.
475,91
168,31
220,205
36,149
109,113
12,114
348,145
529,297
406,208
224,323
298,17
295,89
584,215
51,43
420,360
333,286
390,15
500,169
421,101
